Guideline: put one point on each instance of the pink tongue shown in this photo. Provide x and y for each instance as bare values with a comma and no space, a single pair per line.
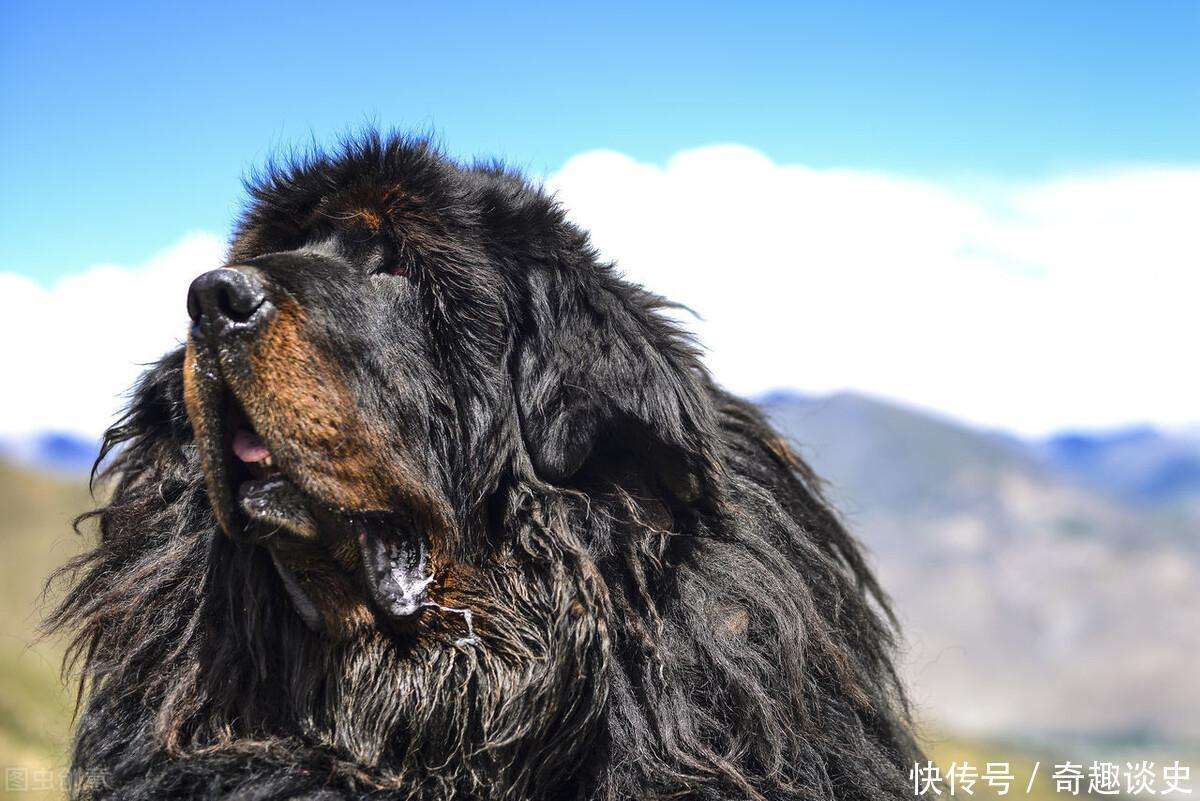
249,446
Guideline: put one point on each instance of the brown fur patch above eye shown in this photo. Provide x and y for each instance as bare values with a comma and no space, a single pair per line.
369,218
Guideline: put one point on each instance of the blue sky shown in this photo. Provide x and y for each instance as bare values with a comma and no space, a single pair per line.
124,126
986,209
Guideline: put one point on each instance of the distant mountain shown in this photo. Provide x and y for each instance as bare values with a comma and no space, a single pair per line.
1142,465
56,451
937,464
1034,578
890,458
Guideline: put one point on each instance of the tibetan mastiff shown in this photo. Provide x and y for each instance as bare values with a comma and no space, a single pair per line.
433,504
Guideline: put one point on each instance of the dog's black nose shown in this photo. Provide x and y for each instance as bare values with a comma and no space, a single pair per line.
226,297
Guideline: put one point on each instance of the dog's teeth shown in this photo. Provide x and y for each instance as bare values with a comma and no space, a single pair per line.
269,461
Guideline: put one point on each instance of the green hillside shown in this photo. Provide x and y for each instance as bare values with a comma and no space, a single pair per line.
35,709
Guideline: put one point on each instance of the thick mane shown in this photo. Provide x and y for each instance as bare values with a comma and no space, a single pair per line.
770,674
630,640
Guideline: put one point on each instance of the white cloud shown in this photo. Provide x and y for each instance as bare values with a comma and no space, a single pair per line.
1060,303
74,350
1065,302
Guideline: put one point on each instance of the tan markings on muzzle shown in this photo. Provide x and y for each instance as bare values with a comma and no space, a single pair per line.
297,400
203,403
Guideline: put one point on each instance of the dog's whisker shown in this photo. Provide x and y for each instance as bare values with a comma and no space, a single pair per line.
467,616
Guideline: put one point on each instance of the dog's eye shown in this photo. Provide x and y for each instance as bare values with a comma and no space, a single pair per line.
398,261
400,267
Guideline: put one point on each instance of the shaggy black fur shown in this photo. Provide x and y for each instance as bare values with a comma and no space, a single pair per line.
662,604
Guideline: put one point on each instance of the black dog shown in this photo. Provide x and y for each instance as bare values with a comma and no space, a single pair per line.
434,505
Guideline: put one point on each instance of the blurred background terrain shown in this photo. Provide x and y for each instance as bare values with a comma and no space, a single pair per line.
1048,587
37,502
983,212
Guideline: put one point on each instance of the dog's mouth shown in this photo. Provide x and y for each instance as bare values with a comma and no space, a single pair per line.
258,497
264,500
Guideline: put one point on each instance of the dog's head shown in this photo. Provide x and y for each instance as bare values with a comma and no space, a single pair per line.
393,340
416,398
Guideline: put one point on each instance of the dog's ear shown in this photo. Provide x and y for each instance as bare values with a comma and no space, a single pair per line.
600,370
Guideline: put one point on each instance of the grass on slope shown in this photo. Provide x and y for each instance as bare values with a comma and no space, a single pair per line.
35,707
945,751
